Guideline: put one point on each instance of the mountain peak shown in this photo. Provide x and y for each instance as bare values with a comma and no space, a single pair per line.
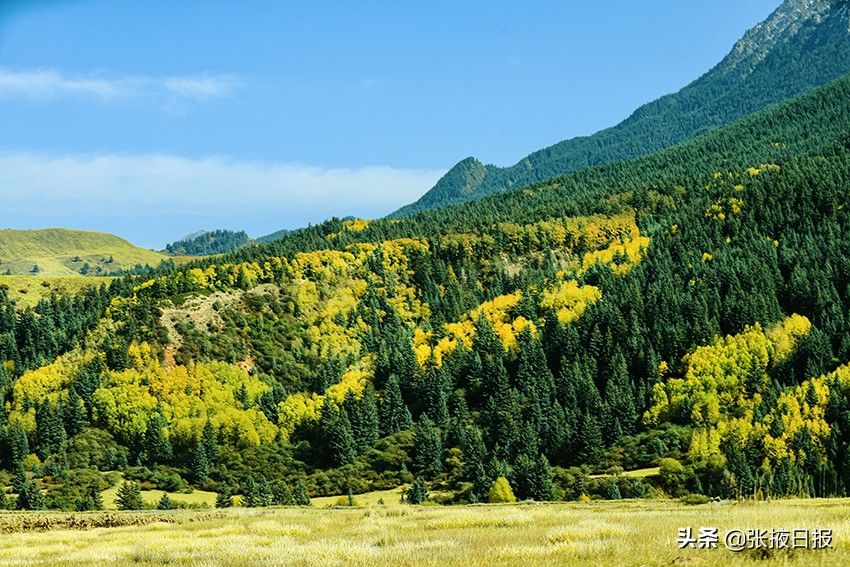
784,23
801,45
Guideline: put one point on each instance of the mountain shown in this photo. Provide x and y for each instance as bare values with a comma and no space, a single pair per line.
277,235
58,251
802,44
207,243
685,311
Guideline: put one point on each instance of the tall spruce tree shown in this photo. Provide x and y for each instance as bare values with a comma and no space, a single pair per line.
29,496
73,413
435,394
427,447
49,430
363,415
336,435
157,445
394,414
620,399
199,465
209,441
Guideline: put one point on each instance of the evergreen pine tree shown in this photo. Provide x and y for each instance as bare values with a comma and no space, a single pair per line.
5,381
544,489
209,441
265,492
250,493
435,394
18,445
474,455
129,497
242,395
165,503
336,435
523,478
330,373
485,341
589,445
73,413
199,466
300,496
501,412
619,396
427,447
49,430
91,500
418,492
157,446
29,496
19,478
223,499
394,414
363,416
95,498
88,381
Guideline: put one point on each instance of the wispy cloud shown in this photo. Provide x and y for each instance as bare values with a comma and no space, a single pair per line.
152,199
49,83
369,83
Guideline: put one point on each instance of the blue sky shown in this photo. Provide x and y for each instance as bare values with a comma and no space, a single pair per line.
155,119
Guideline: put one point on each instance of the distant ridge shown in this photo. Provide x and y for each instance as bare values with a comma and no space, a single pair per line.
801,45
206,243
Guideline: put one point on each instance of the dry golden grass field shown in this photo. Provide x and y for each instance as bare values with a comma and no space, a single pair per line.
593,533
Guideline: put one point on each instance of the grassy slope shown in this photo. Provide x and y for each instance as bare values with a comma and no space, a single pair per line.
594,533
152,497
25,291
55,249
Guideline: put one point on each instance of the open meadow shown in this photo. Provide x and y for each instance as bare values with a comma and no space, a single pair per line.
26,291
592,533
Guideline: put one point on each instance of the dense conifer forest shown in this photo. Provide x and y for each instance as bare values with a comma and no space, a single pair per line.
209,243
688,310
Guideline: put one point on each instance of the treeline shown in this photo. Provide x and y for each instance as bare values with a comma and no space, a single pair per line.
209,243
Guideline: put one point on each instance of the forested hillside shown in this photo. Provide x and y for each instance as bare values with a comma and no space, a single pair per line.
207,243
687,310
803,44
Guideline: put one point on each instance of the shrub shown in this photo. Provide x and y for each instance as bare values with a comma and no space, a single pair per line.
501,492
347,502
612,491
673,476
695,499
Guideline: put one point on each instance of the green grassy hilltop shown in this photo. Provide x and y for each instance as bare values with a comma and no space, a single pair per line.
63,252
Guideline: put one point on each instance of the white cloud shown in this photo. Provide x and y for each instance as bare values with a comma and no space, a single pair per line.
152,199
48,83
